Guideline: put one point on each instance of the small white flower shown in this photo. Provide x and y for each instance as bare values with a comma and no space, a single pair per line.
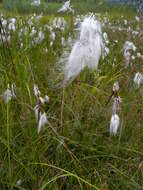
43,121
114,124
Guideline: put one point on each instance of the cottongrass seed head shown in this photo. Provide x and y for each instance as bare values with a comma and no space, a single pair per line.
42,122
138,79
114,124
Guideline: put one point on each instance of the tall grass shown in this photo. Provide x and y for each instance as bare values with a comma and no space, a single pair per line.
82,155
52,7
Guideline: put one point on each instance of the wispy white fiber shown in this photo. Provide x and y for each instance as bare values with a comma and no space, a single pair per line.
87,51
138,79
114,124
43,121
66,7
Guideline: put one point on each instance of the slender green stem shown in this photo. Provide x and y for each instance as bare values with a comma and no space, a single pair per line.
8,142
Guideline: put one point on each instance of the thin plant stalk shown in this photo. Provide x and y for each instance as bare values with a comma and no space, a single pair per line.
8,142
62,108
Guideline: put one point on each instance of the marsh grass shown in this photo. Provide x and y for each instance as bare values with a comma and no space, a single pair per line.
82,155
81,7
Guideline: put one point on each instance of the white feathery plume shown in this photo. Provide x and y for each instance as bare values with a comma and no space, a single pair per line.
9,94
43,121
36,2
47,99
138,79
115,120
41,118
114,124
128,46
87,51
116,86
66,7
44,100
36,91
37,112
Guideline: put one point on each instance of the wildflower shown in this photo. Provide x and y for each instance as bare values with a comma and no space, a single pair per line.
114,124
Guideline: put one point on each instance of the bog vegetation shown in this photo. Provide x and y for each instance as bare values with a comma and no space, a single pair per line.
83,134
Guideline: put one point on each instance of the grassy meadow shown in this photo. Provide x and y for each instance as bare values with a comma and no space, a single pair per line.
74,150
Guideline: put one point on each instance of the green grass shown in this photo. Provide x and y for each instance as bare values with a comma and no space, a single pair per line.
79,7
75,151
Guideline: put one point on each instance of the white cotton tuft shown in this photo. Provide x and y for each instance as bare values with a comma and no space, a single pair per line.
114,124
43,121
138,79
36,2
7,96
66,7
116,86
127,48
87,51
36,91
37,112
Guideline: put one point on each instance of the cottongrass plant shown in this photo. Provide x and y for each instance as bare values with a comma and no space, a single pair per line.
86,51
41,117
138,79
9,94
66,7
115,120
